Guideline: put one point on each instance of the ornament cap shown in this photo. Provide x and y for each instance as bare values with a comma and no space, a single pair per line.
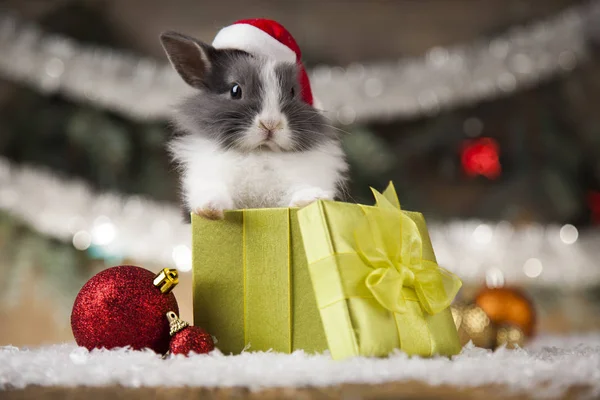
175,324
166,280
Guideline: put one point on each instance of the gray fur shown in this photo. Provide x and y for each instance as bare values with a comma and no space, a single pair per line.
210,111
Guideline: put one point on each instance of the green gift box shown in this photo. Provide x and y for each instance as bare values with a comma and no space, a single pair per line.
376,280
354,279
251,286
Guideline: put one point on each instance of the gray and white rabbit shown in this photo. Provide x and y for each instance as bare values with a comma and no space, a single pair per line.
245,138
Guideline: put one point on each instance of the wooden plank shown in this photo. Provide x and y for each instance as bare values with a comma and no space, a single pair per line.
393,390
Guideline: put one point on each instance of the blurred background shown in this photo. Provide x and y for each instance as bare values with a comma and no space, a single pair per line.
485,114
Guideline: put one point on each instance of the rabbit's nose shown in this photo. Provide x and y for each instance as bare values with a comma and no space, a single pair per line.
270,125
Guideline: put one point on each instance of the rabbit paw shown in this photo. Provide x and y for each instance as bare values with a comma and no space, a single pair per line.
214,208
306,196
210,212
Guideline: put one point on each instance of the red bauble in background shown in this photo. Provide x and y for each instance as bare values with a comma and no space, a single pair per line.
124,306
481,157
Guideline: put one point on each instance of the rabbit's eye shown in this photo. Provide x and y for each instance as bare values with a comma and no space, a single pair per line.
236,91
292,92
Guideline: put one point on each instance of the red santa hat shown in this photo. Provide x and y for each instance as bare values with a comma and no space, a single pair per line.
267,38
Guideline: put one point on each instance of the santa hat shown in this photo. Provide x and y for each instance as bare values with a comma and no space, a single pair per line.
267,38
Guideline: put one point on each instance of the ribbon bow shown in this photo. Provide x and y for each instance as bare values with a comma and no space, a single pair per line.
389,241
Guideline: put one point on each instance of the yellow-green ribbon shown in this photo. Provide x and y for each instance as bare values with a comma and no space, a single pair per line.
389,242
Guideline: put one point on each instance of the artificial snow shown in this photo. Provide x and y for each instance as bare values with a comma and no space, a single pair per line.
549,364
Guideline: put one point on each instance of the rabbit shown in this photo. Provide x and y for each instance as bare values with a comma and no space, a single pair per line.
245,138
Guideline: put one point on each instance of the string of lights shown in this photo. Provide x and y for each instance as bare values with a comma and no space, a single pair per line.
150,232
143,88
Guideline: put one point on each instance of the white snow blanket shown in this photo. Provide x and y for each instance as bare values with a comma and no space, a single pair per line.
549,365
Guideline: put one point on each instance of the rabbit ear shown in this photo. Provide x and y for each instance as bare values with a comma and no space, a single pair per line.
189,57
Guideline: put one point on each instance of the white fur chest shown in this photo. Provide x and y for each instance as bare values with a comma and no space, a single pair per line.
255,179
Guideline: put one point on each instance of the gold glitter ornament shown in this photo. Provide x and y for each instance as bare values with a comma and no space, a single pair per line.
475,326
511,336
495,317
457,310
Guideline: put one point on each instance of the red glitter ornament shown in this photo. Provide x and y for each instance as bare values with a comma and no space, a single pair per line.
125,306
186,339
480,157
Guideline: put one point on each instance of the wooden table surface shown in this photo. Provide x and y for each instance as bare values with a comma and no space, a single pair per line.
393,390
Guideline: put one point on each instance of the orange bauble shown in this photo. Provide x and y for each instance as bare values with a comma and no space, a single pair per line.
508,306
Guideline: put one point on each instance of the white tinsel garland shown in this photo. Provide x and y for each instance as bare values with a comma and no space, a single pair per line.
445,77
150,232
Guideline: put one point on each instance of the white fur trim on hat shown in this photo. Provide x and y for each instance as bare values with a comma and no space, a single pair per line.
317,104
254,41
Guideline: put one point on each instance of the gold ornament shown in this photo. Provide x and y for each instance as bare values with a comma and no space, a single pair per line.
457,310
166,280
510,336
474,325
497,317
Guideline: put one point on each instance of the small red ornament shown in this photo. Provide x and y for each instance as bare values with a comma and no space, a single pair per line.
186,338
481,157
125,306
594,204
